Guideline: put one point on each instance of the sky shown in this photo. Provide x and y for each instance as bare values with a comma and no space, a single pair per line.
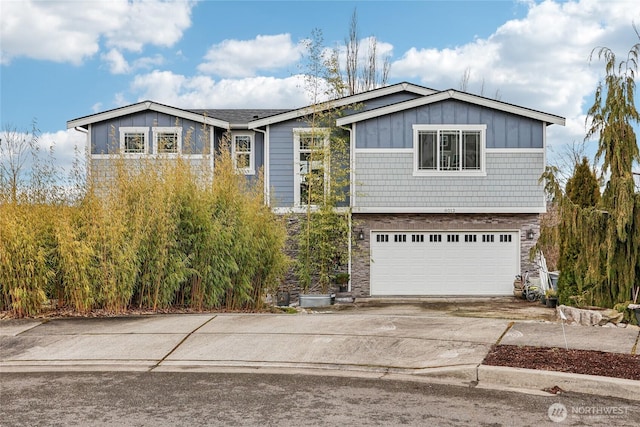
64,59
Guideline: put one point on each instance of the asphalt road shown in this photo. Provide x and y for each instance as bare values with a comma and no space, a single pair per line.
233,399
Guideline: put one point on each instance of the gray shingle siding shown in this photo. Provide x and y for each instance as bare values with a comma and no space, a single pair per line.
386,180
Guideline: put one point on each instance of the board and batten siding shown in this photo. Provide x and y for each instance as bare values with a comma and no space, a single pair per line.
504,130
281,162
105,135
386,180
281,148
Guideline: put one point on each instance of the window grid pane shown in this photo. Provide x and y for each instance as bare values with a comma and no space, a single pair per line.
134,142
449,150
471,154
427,150
311,168
167,142
243,144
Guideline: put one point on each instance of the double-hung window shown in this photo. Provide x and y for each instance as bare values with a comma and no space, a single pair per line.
133,140
243,152
455,149
309,169
167,140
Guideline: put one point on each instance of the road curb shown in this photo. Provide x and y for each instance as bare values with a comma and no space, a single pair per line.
578,383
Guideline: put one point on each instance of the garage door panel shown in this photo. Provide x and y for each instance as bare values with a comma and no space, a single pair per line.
444,263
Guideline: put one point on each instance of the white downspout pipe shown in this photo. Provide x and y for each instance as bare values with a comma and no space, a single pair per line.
352,192
267,172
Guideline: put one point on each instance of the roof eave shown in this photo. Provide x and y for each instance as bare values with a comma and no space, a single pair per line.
85,121
347,100
452,94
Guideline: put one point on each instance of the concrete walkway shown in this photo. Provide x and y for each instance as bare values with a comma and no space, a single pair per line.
426,345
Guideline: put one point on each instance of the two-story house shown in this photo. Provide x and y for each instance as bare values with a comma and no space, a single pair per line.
445,192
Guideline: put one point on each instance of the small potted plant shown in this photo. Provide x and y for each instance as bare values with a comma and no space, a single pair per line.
342,280
552,297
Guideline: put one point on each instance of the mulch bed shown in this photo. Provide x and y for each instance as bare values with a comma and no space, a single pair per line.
587,362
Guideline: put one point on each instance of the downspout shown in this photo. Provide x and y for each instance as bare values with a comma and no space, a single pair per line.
351,185
267,172
87,151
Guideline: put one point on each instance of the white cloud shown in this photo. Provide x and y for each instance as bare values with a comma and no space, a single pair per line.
118,64
244,58
540,61
160,23
205,92
67,145
61,149
70,31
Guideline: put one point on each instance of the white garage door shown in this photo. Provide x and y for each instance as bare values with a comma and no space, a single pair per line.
444,262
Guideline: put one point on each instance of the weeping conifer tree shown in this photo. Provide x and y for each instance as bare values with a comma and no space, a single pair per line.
611,118
599,240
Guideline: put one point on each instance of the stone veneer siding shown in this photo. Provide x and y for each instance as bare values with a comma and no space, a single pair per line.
360,268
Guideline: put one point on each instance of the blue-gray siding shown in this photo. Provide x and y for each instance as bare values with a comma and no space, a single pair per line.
384,101
105,135
259,150
504,130
281,162
281,148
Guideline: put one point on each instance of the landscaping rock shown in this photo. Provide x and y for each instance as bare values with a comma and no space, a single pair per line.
589,317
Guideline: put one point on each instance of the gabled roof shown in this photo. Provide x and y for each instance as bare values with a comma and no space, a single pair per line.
347,100
452,94
143,106
238,118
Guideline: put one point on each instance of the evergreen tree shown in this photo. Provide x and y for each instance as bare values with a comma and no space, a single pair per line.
599,242
612,117
582,188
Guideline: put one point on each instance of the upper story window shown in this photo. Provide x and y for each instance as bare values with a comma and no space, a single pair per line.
309,169
167,140
455,149
133,140
243,152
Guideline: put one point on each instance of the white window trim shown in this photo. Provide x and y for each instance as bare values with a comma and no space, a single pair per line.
167,129
483,144
134,129
251,170
296,160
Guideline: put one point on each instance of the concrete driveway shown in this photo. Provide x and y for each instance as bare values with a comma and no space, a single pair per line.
366,342
436,340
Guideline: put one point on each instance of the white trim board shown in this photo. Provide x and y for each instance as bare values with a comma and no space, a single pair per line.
353,99
384,150
516,150
452,94
410,150
449,210
143,106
